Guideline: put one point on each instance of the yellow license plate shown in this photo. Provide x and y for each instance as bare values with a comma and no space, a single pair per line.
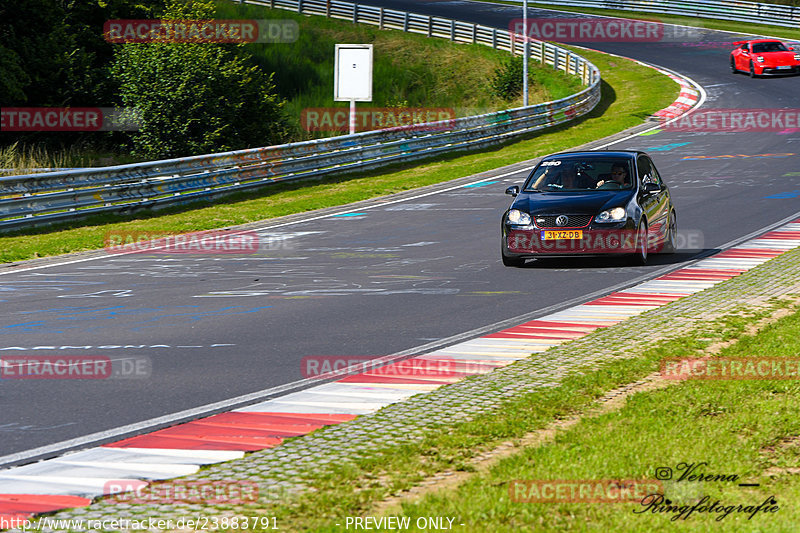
571,234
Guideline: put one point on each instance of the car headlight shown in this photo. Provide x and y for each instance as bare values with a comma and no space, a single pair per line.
611,215
760,59
515,216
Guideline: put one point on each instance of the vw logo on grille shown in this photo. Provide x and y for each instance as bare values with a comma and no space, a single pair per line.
562,220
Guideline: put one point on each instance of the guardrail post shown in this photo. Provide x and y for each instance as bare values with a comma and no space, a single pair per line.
272,4
225,171
555,58
380,20
513,39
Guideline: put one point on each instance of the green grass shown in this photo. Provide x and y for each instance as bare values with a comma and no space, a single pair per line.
20,158
692,422
409,70
623,105
712,24
746,428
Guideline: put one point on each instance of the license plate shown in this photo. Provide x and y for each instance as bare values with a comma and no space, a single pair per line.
572,234
784,67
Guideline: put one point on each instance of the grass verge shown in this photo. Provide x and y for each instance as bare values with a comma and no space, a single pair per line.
409,70
696,421
745,430
614,113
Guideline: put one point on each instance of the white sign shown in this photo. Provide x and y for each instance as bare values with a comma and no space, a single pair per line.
353,73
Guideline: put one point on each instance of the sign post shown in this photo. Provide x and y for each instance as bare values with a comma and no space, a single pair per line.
526,51
353,77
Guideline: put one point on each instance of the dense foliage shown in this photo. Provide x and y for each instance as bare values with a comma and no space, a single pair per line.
507,80
190,98
196,97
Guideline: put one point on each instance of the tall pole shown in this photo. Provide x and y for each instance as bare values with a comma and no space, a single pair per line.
525,53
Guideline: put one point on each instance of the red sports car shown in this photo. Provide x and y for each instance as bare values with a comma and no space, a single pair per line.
764,56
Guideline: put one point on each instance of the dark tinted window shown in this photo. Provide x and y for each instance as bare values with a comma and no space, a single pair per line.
572,174
645,170
760,48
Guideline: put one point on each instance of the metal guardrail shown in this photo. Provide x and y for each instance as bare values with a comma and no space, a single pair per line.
752,12
55,196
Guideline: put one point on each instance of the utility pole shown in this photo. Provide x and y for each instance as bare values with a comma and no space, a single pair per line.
525,52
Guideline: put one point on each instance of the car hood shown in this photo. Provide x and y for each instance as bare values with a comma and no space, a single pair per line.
777,56
556,203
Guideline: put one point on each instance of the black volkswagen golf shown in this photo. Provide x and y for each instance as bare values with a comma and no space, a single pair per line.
590,203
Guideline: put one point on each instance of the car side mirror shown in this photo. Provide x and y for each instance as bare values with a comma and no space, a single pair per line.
651,188
513,190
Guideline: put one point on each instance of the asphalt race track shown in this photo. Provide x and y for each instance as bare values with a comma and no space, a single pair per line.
385,278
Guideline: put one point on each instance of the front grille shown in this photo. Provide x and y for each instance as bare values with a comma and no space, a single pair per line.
549,221
781,70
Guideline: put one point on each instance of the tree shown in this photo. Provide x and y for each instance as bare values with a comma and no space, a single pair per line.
194,98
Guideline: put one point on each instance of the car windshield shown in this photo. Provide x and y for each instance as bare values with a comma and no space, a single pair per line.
760,48
581,175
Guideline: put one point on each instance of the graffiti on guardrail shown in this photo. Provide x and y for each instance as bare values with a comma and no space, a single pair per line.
52,197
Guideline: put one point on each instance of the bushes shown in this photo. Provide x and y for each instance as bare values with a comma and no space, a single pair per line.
194,98
507,80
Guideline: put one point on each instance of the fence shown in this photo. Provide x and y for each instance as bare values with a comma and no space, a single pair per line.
54,196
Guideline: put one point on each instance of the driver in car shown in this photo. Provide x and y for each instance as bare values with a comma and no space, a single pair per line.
619,178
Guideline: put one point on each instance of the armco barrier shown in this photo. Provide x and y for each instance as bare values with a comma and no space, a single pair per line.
753,12
54,196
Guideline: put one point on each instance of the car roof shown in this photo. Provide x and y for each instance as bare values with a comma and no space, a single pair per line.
753,41
621,154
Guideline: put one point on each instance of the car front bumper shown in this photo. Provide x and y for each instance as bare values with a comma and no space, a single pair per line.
527,242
